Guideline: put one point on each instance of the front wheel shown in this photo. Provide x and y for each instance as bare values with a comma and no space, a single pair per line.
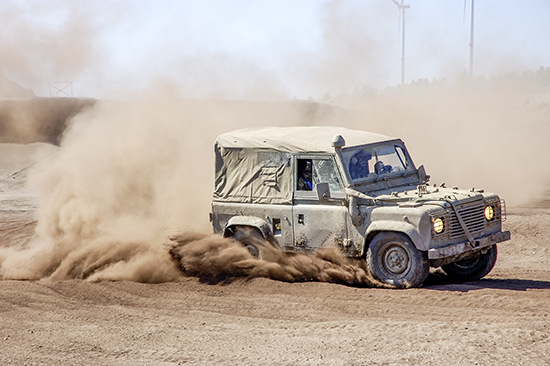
394,260
472,269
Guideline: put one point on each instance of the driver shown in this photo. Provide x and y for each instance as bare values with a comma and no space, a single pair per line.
359,164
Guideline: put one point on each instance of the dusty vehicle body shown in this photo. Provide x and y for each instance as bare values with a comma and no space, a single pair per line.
361,193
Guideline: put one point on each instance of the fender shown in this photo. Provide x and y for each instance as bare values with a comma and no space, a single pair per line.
253,221
404,227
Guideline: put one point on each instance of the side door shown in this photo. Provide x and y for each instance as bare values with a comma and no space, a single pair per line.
318,222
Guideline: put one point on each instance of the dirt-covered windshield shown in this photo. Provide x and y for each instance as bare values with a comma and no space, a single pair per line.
372,162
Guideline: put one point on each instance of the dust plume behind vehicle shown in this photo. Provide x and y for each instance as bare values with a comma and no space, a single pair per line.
127,175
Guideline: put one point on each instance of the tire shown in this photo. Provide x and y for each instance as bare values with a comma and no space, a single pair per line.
472,269
393,260
252,239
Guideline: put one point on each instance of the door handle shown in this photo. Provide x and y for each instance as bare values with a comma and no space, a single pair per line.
301,219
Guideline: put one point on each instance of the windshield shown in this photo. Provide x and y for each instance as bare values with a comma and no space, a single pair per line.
373,162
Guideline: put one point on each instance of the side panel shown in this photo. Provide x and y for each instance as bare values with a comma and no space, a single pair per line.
277,217
252,176
357,234
318,225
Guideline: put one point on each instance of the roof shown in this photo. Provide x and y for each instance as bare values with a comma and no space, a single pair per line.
297,138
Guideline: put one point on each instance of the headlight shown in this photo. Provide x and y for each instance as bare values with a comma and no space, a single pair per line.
439,226
489,213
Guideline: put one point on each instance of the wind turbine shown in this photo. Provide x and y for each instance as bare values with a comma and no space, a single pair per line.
402,12
471,39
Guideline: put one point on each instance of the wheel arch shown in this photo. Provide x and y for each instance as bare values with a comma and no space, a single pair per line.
252,221
398,227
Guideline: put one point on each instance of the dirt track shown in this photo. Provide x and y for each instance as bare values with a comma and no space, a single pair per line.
496,321
501,320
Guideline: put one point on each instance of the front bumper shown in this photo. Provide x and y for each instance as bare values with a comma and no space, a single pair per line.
456,250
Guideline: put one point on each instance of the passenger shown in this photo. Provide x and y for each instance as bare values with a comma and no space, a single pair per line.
304,175
380,168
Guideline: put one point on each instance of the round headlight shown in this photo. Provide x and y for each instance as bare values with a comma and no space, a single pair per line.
489,213
438,225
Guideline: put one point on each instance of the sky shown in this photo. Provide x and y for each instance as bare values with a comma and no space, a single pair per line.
262,49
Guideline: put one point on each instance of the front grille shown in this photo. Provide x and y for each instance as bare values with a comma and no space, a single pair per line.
473,217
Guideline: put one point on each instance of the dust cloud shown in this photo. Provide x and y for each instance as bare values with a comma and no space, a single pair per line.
37,119
128,175
219,260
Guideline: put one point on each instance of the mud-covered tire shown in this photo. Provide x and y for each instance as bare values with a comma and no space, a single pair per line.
472,269
252,239
393,260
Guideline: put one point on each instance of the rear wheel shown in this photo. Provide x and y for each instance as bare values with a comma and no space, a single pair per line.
472,269
252,239
394,260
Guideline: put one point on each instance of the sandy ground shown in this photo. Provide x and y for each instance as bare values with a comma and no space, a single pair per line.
503,319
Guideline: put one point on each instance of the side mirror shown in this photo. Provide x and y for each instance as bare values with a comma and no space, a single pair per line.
323,191
424,178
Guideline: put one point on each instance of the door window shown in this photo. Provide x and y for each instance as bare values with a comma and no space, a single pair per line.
311,172
324,171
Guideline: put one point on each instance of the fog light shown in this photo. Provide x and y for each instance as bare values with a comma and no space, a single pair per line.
438,225
489,213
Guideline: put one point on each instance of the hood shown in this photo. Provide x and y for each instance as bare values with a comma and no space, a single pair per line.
423,194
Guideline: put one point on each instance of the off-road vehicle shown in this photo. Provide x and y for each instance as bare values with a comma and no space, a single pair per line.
305,188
